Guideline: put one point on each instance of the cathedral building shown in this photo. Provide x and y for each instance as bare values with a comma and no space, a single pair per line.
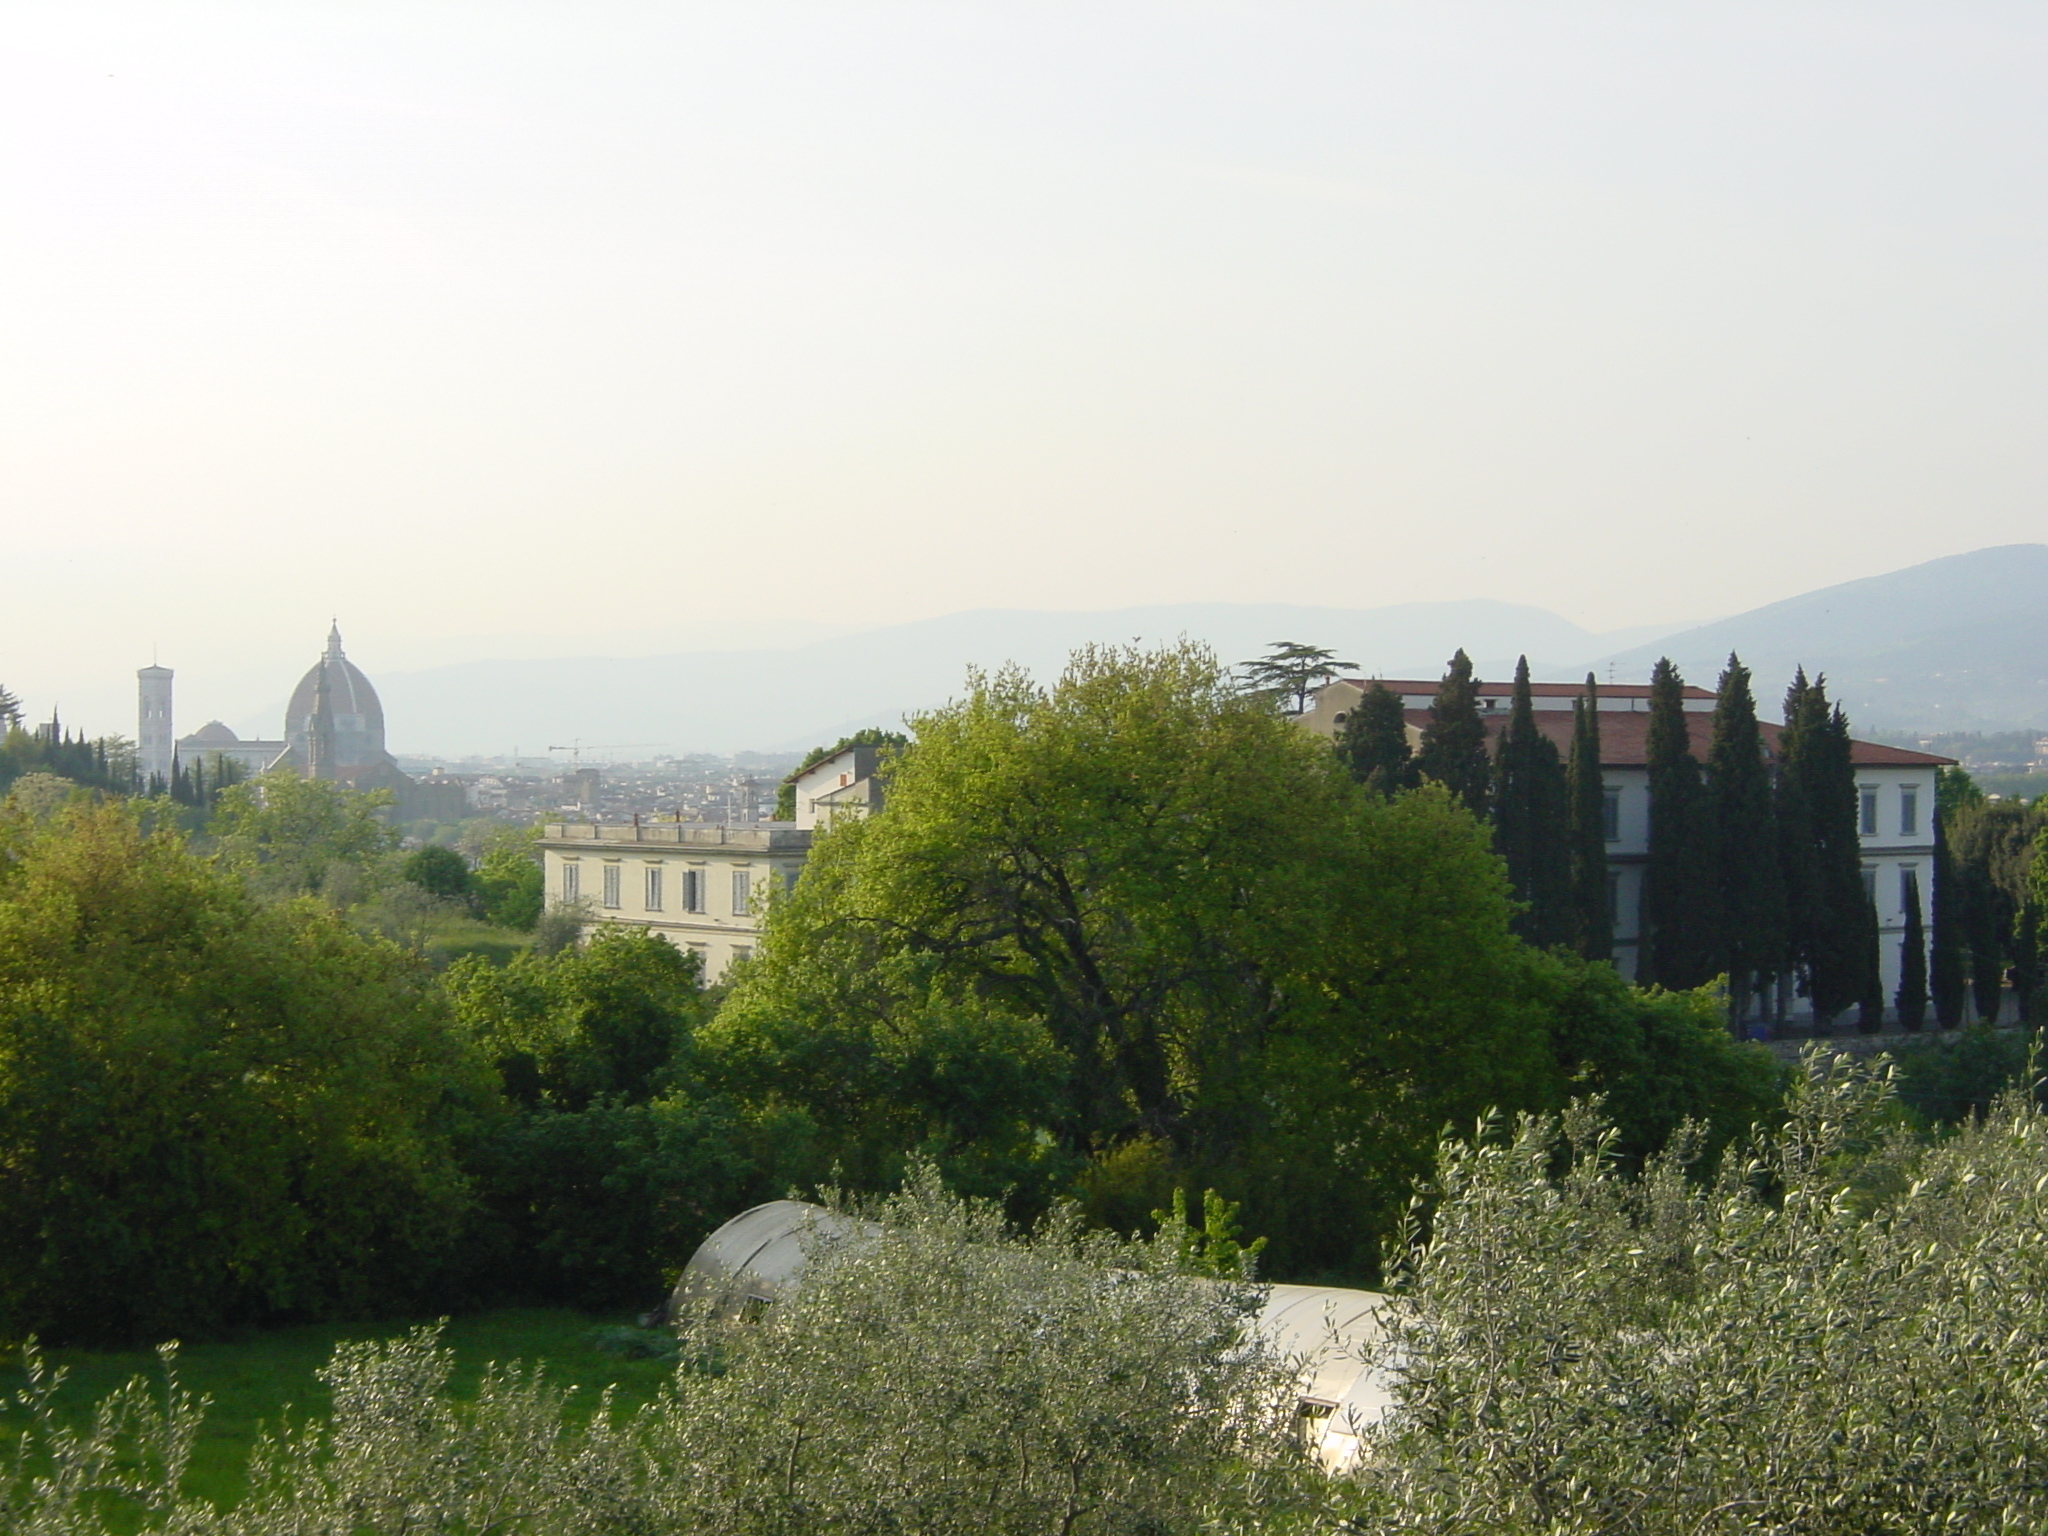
333,730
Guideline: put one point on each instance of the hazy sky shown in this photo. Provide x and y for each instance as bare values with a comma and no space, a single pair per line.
603,323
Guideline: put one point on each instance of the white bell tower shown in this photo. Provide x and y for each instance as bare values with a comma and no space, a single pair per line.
155,741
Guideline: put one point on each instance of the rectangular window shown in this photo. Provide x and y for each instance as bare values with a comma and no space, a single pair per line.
1613,897
611,885
1610,815
1909,889
572,882
1869,827
1909,810
742,892
654,889
693,890
1870,884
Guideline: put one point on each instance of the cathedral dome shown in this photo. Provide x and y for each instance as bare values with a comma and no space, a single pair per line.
352,704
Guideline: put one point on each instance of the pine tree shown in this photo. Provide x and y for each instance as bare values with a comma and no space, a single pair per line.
1592,911
1681,911
1373,741
1912,998
1946,981
1530,816
1291,671
1454,742
1750,884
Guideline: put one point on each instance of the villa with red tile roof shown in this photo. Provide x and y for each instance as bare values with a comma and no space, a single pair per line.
1895,792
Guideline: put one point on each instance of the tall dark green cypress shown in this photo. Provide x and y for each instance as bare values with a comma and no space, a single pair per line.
1946,981
1592,911
1530,821
1912,997
1869,974
1846,936
1681,907
1750,884
1454,742
1806,718
1373,741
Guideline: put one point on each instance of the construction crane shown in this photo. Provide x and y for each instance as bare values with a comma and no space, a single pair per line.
575,749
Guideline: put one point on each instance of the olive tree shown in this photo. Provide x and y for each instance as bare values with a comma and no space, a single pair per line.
940,1377
1841,1333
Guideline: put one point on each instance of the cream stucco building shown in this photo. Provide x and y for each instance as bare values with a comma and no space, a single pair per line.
700,885
704,886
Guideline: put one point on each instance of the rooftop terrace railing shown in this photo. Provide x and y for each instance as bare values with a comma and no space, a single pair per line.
688,834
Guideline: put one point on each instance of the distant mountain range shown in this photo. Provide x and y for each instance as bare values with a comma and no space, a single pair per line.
1956,644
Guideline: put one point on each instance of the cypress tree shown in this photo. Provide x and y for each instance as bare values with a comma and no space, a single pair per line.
1454,742
1806,715
1592,913
1681,913
1870,974
1750,884
1912,998
1530,815
1845,938
1946,981
1373,741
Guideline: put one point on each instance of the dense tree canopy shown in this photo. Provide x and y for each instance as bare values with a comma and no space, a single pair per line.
210,1111
1137,907
290,836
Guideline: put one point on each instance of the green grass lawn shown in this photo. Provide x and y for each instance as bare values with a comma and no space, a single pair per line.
253,1380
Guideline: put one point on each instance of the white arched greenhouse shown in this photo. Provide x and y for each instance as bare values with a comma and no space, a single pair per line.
1333,1333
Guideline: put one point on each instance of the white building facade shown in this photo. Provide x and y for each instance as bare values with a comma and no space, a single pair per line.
1895,796
706,887
702,886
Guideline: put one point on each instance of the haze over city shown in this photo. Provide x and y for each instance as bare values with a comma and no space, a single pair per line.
518,330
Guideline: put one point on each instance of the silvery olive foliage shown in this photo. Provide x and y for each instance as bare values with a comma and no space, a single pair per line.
1844,1333
940,1377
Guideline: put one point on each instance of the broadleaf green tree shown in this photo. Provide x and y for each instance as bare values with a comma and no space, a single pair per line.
212,1111
290,836
1169,914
